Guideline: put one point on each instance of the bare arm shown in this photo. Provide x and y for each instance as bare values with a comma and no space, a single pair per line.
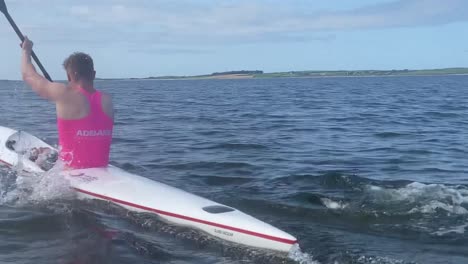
46,89
107,105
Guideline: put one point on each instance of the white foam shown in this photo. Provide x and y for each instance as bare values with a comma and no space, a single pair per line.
428,198
37,188
433,206
456,230
379,260
300,257
330,204
375,188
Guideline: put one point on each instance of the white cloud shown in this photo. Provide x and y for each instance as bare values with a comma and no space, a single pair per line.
254,18
190,21
403,13
118,13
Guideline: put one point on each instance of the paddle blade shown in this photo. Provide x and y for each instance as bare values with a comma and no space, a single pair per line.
3,7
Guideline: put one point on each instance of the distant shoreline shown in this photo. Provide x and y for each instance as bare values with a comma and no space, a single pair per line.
313,74
294,77
233,75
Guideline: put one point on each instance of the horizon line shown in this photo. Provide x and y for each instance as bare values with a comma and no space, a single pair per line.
277,72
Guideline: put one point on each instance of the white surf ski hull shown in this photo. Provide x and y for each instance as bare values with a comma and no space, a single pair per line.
140,194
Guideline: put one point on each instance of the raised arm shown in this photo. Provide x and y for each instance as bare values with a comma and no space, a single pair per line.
44,88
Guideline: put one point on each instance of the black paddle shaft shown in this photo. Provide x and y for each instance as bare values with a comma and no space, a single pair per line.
4,10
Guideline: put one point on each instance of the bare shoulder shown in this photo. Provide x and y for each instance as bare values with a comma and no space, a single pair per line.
53,91
106,97
61,86
107,105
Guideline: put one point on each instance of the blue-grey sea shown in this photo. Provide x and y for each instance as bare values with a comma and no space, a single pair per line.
360,170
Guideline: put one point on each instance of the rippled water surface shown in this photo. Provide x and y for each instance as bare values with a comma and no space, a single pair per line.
360,170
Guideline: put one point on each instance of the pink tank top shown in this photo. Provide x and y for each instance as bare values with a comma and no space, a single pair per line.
85,143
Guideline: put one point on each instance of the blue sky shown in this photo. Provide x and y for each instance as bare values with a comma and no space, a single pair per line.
140,38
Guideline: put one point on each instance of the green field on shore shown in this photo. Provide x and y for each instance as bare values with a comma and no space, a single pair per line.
296,74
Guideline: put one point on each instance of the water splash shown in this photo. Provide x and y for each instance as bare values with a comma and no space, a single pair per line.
300,257
423,198
330,204
379,260
453,230
49,189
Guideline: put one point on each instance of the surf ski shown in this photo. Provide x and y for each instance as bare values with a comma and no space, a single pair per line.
139,194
